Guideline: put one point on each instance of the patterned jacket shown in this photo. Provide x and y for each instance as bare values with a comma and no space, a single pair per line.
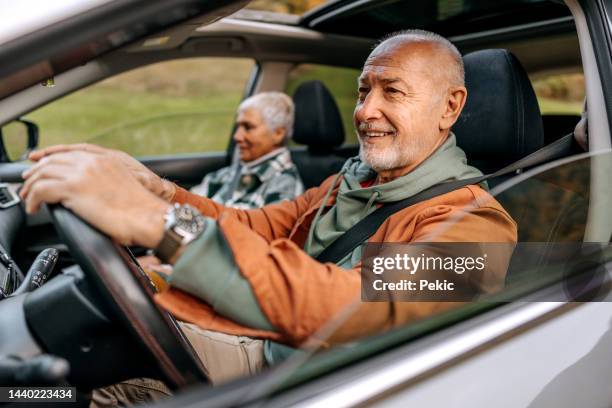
269,179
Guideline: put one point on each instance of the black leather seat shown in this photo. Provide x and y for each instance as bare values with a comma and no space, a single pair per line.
500,124
318,125
501,120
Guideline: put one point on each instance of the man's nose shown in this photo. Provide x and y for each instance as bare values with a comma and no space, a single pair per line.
369,109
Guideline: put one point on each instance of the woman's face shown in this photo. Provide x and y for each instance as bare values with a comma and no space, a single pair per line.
253,136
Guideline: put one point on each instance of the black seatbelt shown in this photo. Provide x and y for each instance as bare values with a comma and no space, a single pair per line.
365,228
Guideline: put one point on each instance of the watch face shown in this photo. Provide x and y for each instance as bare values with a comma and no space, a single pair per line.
189,219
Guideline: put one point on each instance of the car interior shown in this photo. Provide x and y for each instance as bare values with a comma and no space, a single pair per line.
98,293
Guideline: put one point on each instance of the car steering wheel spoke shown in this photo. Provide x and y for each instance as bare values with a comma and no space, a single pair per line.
126,289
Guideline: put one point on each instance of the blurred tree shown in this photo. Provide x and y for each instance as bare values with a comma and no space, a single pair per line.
285,6
565,87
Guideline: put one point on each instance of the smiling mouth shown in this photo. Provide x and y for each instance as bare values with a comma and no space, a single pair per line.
375,134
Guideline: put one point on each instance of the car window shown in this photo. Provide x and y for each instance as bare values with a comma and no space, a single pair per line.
551,206
285,7
341,82
560,94
561,100
179,106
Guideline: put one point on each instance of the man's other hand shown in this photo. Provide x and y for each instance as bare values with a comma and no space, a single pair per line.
102,190
151,181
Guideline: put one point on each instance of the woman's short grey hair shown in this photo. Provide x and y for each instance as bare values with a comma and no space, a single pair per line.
457,73
276,109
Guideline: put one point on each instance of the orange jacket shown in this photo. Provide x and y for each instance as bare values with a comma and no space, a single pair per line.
300,295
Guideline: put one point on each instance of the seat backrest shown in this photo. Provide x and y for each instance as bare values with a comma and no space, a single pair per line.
318,125
501,120
500,124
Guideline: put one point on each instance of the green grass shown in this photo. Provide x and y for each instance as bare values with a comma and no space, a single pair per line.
139,123
175,107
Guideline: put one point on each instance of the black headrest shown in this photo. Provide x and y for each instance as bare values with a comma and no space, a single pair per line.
501,120
317,119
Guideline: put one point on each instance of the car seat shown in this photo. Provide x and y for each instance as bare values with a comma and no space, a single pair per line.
501,120
500,124
318,125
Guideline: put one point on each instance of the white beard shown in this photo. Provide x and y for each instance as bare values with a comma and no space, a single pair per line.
391,157
380,159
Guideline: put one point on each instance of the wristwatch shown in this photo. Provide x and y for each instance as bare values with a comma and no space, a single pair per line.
183,224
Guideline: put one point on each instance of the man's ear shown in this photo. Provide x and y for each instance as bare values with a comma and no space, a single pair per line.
457,96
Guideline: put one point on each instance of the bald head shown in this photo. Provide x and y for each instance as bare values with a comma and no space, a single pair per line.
411,92
437,55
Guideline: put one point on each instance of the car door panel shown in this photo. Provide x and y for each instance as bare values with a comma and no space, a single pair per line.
545,367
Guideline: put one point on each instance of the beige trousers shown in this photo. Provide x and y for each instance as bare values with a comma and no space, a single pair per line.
224,357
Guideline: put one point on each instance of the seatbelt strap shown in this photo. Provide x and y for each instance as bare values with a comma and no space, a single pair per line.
365,228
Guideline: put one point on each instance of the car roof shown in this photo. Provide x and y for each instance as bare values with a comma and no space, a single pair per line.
367,18
541,33
339,24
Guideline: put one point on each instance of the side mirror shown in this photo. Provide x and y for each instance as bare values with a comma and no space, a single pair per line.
18,139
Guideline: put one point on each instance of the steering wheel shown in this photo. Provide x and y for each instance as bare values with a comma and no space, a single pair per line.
129,295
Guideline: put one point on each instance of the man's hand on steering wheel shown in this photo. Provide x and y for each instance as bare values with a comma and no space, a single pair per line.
151,181
100,187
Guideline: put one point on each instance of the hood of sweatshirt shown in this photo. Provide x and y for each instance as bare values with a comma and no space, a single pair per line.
354,202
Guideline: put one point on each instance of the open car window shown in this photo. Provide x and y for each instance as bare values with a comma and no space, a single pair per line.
178,106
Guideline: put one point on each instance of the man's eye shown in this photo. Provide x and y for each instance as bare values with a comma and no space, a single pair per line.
392,90
363,92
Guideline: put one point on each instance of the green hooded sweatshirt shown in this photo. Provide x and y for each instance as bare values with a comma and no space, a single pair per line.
354,202
230,294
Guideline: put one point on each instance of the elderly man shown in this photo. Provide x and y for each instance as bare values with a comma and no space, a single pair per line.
265,173
266,283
